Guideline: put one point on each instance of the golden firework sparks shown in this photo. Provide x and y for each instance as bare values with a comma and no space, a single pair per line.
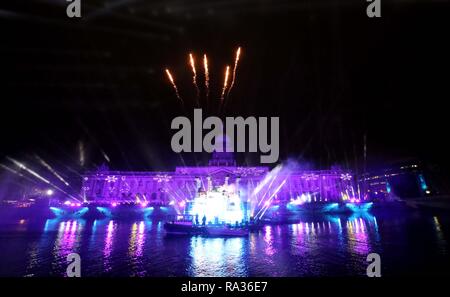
172,81
225,83
205,65
191,60
194,74
236,61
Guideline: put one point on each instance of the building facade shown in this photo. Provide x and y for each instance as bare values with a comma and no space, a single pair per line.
185,183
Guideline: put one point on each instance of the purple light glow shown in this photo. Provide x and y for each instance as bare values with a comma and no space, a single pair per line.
258,187
297,201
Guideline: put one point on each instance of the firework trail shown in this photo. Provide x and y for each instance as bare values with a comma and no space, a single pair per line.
194,74
205,65
236,61
225,83
169,75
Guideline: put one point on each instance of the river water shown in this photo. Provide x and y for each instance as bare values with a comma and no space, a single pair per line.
409,243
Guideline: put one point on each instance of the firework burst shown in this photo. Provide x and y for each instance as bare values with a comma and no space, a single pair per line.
227,84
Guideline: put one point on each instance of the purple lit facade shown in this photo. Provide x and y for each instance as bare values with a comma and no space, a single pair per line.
185,183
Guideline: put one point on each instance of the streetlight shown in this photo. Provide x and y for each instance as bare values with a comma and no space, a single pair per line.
49,192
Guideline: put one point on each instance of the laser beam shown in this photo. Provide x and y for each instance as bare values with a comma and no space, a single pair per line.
53,171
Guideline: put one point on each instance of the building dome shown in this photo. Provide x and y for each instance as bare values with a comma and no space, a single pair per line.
223,144
222,155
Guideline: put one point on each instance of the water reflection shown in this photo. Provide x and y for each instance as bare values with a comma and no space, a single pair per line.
312,237
38,251
136,247
268,239
441,242
51,225
358,241
321,245
217,257
108,247
68,237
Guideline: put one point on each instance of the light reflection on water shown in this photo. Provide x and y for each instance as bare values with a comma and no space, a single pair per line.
109,240
326,245
135,248
442,243
217,256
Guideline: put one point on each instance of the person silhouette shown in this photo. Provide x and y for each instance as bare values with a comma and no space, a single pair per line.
204,220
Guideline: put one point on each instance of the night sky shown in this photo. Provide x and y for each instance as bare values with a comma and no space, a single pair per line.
329,72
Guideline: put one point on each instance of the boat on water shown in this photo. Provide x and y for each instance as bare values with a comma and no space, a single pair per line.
226,231
185,225
182,227
207,230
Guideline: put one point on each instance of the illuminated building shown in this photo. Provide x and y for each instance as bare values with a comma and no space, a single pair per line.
221,185
400,181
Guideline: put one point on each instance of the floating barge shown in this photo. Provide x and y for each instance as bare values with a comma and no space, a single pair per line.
185,225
